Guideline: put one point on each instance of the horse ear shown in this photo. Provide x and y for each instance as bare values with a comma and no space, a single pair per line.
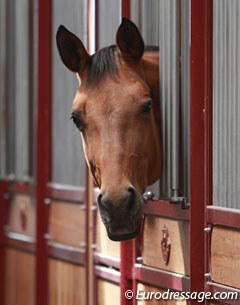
129,40
71,50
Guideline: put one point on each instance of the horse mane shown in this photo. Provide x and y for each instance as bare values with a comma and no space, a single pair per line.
103,63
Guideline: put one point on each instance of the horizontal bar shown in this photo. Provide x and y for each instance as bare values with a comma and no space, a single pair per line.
20,241
101,258
21,187
66,253
166,209
223,216
161,278
108,274
65,192
214,287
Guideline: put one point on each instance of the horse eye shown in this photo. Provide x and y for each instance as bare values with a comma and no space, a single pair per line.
77,121
146,108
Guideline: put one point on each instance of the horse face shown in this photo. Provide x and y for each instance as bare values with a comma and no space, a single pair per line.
114,111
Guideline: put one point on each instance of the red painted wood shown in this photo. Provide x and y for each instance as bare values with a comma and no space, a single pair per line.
3,210
43,157
201,99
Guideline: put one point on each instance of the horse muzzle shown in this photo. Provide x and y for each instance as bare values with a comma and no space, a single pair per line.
121,216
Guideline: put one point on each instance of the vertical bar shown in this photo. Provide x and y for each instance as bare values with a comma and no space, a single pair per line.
96,24
126,262
200,161
31,87
126,8
89,298
91,291
3,84
10,85
3,213
126,265
91,26
169,44
43,153
185,98
175,134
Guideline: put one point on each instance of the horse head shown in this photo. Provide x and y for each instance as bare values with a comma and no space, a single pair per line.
116,110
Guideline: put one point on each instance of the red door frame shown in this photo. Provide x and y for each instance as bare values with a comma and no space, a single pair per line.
201,138
43,151
126,249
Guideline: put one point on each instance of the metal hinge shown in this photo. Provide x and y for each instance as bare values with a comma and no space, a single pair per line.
172,199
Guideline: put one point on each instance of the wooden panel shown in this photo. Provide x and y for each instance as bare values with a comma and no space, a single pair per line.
21,217
179,238
19,278
104,244
141,287
108,293
67,223
225,256
66,283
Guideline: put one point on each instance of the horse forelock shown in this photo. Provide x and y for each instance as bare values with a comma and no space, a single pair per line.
104,63
101,64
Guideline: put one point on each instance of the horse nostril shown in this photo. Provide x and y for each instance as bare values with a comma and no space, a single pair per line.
129,200
104,202
99,199
131,190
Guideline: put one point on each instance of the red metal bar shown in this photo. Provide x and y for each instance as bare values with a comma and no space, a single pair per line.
127,247
66,192
3,212
126,265
201,99
161,278
20,242
214,287
126,8
101,258
43,152
107,274
69,254
165,209
21,187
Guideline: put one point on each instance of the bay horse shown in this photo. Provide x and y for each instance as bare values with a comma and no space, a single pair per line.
116,110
